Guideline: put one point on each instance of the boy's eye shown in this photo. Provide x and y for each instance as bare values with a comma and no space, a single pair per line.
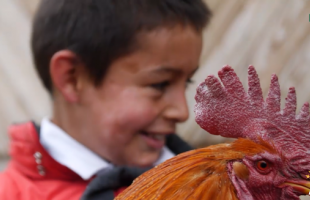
189,81
160,86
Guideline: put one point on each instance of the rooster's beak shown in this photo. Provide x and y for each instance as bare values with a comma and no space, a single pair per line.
301,187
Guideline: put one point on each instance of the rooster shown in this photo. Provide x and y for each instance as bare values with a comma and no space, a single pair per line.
269,160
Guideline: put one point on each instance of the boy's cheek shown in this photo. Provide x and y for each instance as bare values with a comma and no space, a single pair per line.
138,117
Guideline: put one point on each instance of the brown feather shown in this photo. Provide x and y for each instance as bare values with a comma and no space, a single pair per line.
197,174
241,170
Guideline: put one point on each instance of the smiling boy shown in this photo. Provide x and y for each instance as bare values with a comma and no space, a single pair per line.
117,72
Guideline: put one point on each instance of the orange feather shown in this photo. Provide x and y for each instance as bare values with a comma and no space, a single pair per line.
197,174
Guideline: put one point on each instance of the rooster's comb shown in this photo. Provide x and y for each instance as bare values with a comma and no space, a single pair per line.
231,112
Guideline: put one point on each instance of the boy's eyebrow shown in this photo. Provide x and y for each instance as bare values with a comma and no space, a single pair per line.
166,69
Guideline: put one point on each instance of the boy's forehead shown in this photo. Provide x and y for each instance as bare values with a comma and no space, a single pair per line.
164,51
173,46
168,35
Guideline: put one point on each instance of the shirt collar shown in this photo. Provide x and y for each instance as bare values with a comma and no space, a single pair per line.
72,154
68,152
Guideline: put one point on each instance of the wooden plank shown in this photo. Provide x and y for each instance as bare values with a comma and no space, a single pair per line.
267,34
3,163
22,95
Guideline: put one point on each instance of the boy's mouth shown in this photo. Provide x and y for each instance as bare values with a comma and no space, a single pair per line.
154,140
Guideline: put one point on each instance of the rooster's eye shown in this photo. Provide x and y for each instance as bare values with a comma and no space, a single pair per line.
262,165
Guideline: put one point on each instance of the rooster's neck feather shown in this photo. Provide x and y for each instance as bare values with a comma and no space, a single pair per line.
197,174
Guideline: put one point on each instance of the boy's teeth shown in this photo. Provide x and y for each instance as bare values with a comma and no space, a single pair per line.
155,136
158,137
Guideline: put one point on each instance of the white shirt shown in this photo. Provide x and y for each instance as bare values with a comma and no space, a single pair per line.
72,154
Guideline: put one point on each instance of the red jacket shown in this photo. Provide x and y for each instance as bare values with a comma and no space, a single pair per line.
33,174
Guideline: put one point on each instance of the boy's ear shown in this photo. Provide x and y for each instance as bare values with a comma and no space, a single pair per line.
65,69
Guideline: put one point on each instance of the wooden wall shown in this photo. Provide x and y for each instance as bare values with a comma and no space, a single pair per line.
274,36
21,94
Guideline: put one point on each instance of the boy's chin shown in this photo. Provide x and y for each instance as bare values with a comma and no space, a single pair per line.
147,159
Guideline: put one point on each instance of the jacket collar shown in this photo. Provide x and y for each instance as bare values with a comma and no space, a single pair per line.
69,152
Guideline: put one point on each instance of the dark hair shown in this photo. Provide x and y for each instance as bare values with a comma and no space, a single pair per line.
100,31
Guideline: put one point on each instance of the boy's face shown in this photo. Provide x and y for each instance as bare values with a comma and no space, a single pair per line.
142,97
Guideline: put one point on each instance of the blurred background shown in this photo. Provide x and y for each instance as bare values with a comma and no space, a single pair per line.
274,36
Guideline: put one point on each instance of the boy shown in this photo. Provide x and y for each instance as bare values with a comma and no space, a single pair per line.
116,71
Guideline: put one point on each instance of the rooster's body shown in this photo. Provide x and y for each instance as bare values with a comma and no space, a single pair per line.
269,160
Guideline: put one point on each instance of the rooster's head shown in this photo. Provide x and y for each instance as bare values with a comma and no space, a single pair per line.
274,142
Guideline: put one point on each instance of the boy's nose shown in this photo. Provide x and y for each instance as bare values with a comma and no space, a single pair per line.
177,109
